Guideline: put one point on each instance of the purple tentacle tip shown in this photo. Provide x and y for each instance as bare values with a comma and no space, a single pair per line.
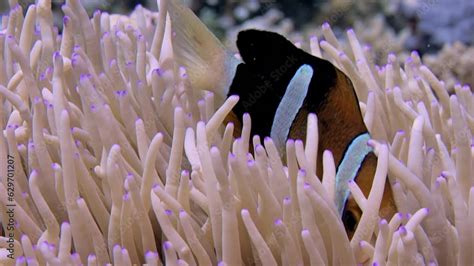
402,230
150,254
37,99
158,71
167,245
85,76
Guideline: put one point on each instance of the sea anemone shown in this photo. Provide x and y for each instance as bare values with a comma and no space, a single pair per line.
108,155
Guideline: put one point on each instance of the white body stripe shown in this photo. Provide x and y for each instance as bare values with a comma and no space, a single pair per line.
290,105
349,167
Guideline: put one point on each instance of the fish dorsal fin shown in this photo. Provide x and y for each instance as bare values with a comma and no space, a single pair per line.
208,65
290,105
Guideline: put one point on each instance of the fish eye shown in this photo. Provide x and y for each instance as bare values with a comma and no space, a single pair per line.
350,221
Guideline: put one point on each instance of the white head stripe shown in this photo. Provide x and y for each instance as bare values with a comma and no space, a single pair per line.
290,104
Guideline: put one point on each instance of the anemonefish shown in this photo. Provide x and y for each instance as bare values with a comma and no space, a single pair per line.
279,85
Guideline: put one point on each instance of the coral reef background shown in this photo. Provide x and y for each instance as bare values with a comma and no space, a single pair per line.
440,30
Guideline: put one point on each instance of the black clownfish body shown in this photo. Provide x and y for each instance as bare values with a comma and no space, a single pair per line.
261,82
